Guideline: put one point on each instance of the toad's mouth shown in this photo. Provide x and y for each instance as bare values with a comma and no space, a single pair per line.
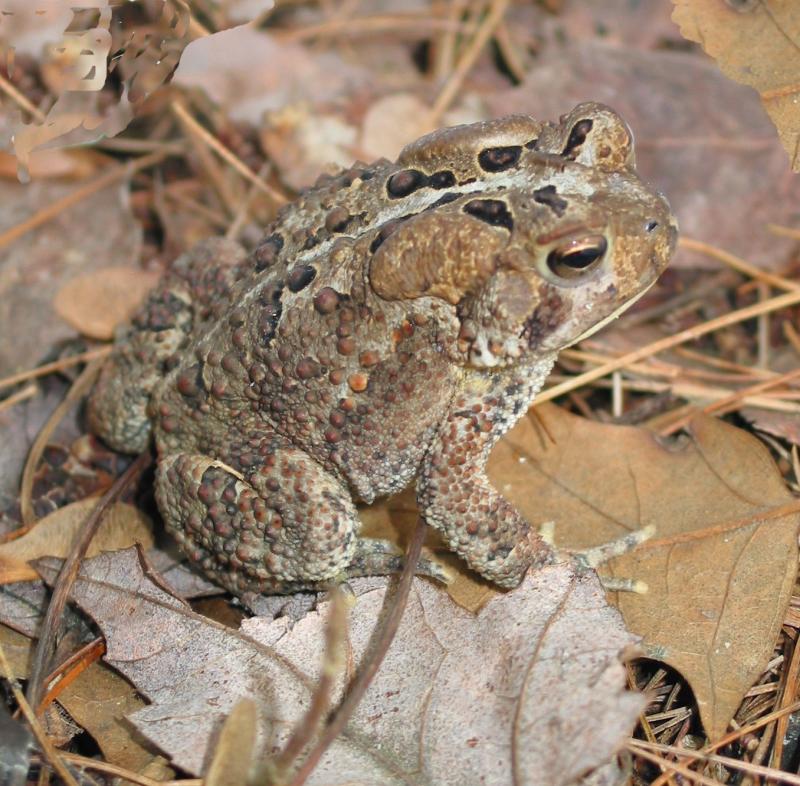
610,318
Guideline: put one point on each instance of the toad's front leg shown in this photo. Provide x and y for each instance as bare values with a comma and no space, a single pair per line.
453,492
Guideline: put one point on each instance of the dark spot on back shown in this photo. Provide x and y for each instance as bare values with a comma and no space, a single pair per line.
496,159
270,314
443,179
405,182
445,199
338,219
548,195
300,277
577,137
493,211
267,252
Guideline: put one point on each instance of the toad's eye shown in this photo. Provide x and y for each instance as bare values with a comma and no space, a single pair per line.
577,257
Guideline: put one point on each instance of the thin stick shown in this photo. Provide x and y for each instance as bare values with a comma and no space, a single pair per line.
744,766
738,264
78,195
737,734
134,777
76,392
363,680
671,767
66,578
56,365
11,91
740,315
226,155
731,402
332,665
49,750
496,12
17,398
777,229
395,23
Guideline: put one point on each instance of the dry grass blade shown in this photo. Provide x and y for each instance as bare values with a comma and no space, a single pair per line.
740,315
56,365
639,747
226,155
497,10
53,756
739,264
86,763
66,578
76,392
731,402
333,663
17,398
364,679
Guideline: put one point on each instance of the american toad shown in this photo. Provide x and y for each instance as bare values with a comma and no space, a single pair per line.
394,323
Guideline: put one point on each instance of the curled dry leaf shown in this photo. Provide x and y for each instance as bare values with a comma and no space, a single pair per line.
95,303
123,525
755,44
529,691
723,561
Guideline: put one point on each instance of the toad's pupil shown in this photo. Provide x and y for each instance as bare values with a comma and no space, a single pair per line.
576,257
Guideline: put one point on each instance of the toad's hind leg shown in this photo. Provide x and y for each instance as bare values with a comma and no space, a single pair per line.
279,527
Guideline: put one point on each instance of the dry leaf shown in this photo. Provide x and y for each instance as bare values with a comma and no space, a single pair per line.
95,303
723,561
122,526
755,44
530,691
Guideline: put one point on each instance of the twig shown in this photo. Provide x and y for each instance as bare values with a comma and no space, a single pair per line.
11,91
16,398
639,747
738,264
335,636
731,402
370,668
740,315
66,578
448,93
736,735
76,392
51,754
56,365
226,155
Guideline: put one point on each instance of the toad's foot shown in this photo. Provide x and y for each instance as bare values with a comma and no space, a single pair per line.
590,559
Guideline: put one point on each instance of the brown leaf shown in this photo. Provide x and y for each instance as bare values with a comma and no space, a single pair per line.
722,565
755,44
122,526
519,691
95,303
